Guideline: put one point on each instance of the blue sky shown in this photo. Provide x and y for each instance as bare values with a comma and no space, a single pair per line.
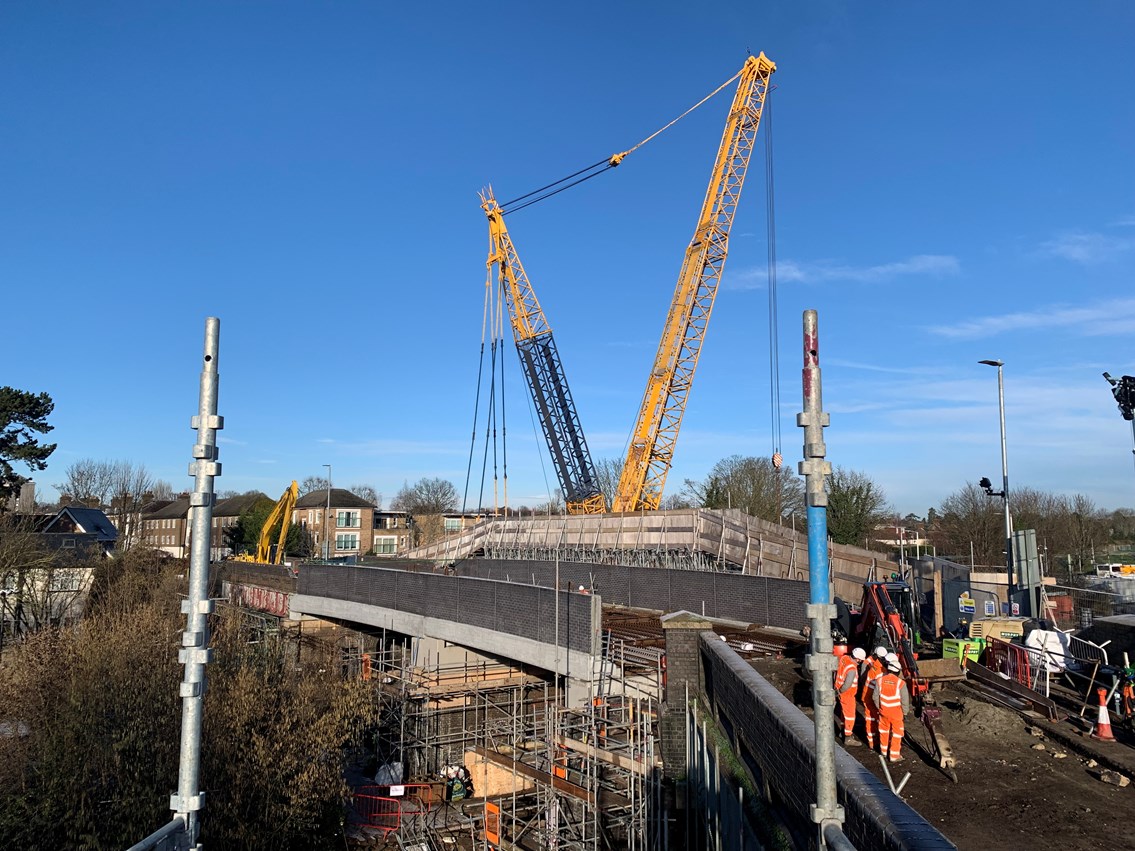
953,182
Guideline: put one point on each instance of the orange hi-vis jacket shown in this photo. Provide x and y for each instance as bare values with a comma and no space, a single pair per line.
892,696
873,673
846,675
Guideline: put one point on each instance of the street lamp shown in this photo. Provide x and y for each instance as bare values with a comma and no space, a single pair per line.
1004,479
327,519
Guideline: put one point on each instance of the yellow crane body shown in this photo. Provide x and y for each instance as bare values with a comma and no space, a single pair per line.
543,370
651,449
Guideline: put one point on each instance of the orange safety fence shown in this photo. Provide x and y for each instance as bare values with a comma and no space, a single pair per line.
383,807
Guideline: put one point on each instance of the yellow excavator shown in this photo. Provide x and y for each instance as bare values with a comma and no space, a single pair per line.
277,523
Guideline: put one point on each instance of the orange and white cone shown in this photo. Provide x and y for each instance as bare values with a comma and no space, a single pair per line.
1103,727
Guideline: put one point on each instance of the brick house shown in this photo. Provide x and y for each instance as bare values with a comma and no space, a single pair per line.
347,528
391,532
165,525
226,513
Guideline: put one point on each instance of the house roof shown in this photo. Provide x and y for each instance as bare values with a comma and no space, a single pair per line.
91,520
340,498
234,506
177,508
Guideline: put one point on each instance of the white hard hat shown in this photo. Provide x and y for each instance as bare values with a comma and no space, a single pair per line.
881,652
859,653
892,658
581,588
894,666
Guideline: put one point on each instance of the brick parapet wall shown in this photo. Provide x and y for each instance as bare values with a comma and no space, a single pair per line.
777,741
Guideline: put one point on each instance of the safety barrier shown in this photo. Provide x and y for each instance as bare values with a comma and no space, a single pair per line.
385,807
1020,664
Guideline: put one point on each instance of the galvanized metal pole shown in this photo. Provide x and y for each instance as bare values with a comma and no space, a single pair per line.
195,652
826,812
327,528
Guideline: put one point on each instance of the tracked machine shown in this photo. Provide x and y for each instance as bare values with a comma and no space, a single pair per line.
887,616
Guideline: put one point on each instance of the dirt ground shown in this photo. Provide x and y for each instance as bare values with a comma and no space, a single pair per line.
1009,794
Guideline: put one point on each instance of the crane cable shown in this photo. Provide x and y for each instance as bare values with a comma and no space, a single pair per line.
598,168
480,373
773,342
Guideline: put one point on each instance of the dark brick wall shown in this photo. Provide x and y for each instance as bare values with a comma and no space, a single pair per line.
777,741
734,596
528,611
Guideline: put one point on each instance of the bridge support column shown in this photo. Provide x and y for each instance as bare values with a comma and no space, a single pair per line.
683,675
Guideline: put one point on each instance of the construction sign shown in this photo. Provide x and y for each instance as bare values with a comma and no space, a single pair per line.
966,604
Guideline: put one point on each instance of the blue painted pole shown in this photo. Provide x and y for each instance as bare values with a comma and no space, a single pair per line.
826,812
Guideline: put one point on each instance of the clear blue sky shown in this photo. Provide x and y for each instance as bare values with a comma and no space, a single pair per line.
953,182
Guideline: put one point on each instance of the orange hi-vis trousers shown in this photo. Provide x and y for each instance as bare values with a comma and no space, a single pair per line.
891,730
847,710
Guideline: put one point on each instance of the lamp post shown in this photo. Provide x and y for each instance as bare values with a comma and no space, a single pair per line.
327,519
1004,478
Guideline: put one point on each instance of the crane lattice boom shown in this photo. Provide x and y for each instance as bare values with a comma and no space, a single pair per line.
651,448
543,371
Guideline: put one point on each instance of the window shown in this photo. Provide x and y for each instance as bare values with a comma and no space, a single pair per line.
346,542
68,543
453,524
65,580
385,544
315,517
347,519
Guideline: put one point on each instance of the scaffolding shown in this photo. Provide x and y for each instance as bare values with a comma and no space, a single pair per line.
564,777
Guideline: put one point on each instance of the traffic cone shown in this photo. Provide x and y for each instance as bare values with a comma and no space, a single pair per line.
1103,727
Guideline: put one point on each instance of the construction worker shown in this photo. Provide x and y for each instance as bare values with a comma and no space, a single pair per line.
893,700
867,696
846,687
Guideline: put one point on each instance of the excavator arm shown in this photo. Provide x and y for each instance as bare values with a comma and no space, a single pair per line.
277,522
543,371
655,433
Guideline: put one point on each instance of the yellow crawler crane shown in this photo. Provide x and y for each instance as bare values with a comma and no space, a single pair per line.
651,448
543,370
277,522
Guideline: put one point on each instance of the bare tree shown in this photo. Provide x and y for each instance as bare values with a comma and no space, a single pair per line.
88,479
131,487
750,484
162,490
314,483
554,506
674,501
426,496
970,517
368,493
607,473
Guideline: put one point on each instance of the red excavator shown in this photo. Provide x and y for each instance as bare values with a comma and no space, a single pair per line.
887,617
